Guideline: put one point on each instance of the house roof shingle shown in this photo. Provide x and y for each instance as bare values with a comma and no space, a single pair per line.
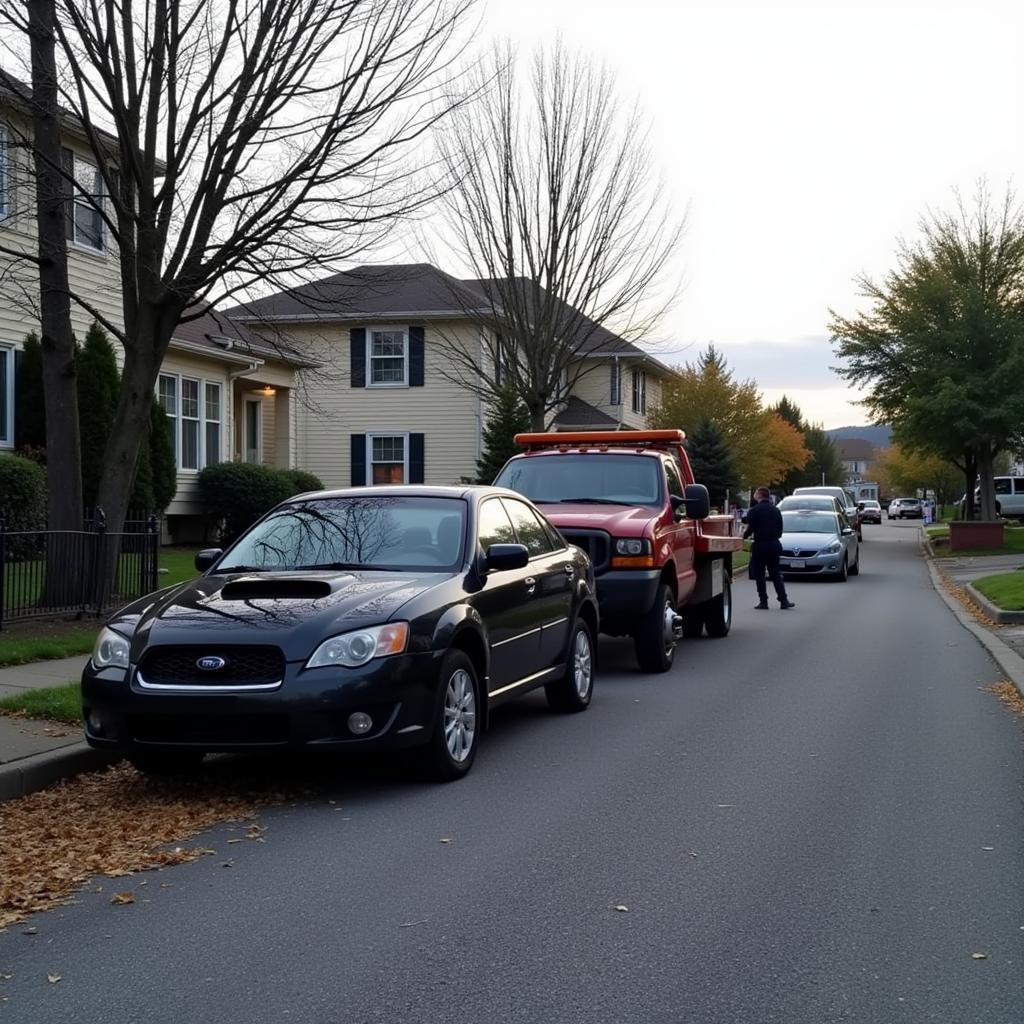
578,413
219,333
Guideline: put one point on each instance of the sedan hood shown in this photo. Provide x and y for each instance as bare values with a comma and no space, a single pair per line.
618,520
807,541
294,610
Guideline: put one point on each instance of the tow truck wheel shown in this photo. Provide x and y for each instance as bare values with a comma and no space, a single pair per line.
693,623
718,616
655,638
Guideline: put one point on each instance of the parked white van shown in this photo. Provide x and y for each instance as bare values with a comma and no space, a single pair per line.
1009,496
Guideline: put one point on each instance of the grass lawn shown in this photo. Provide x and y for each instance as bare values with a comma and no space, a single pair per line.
741,559
24,642
58,703
180,566
1005,590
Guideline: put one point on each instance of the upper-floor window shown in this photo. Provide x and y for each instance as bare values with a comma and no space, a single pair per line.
196,425
5,174
388,357
83,218
615,397
640,392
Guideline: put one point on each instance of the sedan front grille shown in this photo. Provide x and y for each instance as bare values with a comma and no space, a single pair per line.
801,553
596,543
242,666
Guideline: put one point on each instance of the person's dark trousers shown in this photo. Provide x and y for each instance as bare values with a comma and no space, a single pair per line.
762,561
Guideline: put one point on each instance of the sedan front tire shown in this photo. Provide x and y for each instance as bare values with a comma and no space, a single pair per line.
451,750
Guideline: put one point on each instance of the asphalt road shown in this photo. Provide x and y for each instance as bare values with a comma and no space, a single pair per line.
817,819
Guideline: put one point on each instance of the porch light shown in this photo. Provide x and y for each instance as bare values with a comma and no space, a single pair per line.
268,391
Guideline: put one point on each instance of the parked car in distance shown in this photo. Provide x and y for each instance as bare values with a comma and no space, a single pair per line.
870,511
357,619
818,544
906,508
845,498
1009,492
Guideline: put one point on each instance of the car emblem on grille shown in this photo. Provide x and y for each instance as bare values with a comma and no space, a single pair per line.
210,663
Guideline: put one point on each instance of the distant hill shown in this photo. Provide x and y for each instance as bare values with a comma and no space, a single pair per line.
878,436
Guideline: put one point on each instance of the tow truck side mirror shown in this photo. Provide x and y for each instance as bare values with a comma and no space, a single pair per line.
696,504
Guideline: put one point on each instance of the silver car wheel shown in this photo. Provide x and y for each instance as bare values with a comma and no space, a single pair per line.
582,663
459,715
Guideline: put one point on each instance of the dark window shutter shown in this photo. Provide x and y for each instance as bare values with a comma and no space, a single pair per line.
416,357
416,460
358,460
357,358
67,165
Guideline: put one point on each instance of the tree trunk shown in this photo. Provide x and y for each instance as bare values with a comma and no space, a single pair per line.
971,480
986,473
60,392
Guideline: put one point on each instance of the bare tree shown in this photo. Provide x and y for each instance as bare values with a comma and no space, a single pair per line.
240,145
555,207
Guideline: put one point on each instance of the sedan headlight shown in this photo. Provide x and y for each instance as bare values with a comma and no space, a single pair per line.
111,650
351,650
832,549
632,546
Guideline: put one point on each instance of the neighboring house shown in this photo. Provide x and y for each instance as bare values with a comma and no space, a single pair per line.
383,406
230,394
857,454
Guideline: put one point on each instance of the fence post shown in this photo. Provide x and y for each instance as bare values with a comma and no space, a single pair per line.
3,571
100,522
153,525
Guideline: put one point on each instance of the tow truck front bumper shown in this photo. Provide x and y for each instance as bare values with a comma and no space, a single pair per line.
627,593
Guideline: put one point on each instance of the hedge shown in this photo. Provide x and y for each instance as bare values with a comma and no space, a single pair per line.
236,494
22,499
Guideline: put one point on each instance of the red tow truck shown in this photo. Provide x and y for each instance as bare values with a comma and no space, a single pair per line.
663,564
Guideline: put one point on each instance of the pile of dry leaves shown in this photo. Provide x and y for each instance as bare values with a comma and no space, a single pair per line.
1008,693
110,823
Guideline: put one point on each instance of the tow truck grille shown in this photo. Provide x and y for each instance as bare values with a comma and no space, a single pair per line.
596,543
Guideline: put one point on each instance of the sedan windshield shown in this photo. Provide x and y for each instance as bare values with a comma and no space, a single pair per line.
591,478
808,501
387,532
804,522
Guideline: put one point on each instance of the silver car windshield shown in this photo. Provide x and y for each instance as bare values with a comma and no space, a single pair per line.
803,522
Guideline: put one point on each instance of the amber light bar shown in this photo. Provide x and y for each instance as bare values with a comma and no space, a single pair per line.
602,439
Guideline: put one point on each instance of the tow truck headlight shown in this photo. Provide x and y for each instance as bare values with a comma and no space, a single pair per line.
632,546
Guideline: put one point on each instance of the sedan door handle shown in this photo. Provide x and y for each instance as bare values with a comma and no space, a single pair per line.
531,584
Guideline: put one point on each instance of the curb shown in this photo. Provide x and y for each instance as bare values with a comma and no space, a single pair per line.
1005,657
30,774
994,612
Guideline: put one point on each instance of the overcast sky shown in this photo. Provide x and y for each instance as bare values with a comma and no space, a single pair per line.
804,137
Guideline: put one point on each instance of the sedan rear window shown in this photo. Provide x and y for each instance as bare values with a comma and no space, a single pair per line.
603,479
387,532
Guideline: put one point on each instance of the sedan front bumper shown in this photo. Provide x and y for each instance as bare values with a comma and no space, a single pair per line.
816,565
310,709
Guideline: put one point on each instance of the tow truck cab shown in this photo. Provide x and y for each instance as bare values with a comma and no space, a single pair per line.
663,564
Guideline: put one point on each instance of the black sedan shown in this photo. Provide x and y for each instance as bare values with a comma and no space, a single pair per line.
356,619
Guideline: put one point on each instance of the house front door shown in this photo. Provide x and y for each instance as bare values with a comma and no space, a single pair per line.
252,430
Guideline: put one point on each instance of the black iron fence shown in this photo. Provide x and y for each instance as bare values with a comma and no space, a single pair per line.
87,571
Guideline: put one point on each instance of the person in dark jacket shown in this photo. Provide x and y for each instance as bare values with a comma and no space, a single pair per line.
764,524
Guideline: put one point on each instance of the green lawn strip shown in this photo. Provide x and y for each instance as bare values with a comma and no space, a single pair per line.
56,703
740,560
22,650
180,565
1005,590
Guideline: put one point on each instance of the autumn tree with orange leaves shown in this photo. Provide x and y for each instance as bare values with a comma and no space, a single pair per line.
764,447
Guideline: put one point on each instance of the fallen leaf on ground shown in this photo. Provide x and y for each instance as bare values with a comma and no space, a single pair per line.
622,908
123,897
979,956
53,978
446,840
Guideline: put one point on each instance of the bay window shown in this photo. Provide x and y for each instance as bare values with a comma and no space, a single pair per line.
195,409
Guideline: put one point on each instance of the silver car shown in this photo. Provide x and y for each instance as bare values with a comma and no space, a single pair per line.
818,543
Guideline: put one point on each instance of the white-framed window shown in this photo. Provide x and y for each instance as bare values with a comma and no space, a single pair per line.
615,397
387,356
640,392
6,396
5,174
195,409
83,223
388,458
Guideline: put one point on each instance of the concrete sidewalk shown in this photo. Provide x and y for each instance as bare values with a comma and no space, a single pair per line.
36,754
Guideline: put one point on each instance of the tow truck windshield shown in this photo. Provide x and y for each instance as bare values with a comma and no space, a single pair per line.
594,477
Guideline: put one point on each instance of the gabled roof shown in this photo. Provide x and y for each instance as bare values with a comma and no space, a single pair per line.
417,291
855,449
580,414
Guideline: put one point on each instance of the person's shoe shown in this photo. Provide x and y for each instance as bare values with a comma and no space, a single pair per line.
762,606
786,604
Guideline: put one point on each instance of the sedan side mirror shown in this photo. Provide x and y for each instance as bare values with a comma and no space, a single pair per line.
847,532
503,557
206,558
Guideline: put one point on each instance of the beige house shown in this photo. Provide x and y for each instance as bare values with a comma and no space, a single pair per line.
382,405
228,393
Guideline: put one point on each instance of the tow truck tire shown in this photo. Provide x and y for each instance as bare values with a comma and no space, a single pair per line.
693,623
654,651
718,614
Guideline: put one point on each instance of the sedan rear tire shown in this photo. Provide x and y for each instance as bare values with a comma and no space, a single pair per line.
451,749
573,691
